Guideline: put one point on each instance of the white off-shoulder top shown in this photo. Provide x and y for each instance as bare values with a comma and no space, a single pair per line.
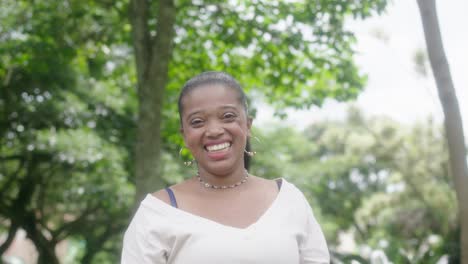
287,233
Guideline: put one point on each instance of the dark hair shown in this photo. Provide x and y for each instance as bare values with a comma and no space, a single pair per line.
210,78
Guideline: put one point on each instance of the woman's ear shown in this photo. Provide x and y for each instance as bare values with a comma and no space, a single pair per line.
181,131
249,124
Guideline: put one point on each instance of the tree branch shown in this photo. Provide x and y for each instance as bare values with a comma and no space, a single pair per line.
45,247
69,227
14,176
10,237
96,243
11,157
43,189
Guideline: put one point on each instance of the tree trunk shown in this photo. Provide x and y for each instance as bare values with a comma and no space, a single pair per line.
452,121
26,219
152,63
46,257
10,237
44,247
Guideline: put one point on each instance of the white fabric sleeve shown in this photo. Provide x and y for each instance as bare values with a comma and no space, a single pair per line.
313,248
140,245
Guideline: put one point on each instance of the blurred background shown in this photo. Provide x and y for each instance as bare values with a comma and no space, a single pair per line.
343,94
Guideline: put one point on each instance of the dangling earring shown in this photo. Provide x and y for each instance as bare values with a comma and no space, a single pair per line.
256,138
186,163
250,153
189,163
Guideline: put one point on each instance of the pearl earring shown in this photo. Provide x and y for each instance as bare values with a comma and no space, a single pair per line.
250,153
186,163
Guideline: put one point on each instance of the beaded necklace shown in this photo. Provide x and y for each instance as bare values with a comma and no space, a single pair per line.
212,186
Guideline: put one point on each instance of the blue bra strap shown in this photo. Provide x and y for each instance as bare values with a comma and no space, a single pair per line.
279,182
174,201
171,197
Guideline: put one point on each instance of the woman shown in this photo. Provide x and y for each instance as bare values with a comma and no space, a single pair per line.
223,214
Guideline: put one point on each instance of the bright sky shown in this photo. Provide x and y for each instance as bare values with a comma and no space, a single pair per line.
394,88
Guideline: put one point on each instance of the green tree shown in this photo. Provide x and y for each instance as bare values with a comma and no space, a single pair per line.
385,183
68,112
63,134
295,53
414,217
402,201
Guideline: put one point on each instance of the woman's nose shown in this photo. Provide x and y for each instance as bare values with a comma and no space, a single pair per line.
214,129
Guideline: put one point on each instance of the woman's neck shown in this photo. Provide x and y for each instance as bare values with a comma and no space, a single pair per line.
227,180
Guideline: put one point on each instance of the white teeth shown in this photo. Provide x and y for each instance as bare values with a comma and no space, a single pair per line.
218,147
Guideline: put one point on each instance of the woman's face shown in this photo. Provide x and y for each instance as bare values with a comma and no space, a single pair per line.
215,128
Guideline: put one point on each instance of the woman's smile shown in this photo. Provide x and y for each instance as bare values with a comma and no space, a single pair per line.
218,151
217,147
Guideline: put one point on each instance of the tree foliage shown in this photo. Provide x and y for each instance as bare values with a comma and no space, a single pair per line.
384,183
68,105
65,108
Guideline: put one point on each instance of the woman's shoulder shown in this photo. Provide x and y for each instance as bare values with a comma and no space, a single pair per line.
262,182
177,189
291,191
162,195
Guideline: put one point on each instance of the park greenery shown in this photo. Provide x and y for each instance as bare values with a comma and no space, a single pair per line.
76,79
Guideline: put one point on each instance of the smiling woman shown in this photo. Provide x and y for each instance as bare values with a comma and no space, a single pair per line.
223,214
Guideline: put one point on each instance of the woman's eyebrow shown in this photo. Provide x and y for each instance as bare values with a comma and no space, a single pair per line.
194,113
229,107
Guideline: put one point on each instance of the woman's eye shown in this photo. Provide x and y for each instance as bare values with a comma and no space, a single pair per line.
229,116
196,122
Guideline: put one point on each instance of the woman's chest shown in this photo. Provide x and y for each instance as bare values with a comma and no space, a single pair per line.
252,245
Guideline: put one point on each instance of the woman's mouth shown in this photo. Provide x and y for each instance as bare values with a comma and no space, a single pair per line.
218,147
